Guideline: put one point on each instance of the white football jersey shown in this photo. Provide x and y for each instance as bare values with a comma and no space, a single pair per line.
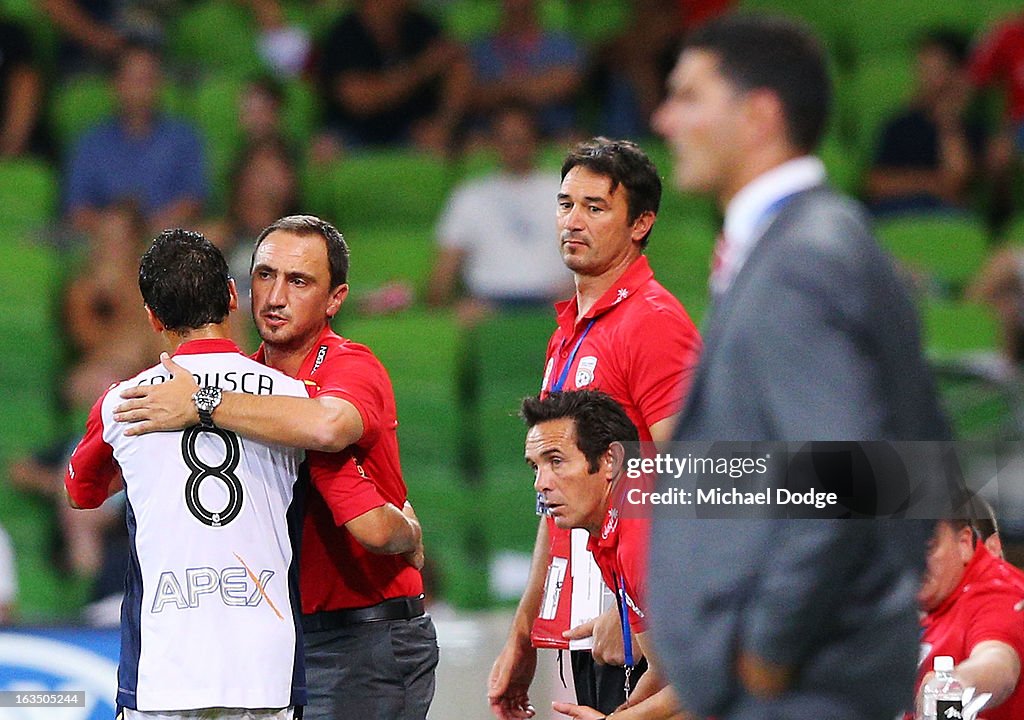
211,614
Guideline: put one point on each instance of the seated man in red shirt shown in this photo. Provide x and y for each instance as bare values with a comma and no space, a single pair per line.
575,447
973,602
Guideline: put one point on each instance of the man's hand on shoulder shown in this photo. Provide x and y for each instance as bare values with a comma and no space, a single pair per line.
161,406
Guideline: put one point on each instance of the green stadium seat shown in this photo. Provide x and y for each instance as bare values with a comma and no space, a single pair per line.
882,26
680,253
843,164
469,20
30,354
956,328
383,255
30,348
216,35
979,407
78,104
421,353
215,112
380,188
598,21
507,354
301,111
949,248
28,195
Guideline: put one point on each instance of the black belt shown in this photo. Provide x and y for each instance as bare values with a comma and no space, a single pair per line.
404,608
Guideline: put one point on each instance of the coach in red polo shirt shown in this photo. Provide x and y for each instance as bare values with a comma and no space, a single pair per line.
371,651
578,445
626,335
974,605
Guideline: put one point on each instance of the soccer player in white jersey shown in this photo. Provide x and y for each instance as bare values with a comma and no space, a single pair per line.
210,615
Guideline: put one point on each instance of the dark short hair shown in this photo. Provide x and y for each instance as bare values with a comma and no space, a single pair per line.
953,43
765,52
624,163
599,420
269,85
137,44
184,280
304,225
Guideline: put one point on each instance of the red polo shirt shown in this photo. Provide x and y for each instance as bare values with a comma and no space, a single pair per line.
621,553
335,571
986,605
638,345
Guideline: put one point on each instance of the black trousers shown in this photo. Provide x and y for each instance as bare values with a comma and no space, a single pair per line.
376,671
602,687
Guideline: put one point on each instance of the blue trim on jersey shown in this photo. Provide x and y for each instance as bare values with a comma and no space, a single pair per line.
131,621
296,513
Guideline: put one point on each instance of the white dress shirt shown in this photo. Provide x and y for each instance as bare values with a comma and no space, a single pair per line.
754,207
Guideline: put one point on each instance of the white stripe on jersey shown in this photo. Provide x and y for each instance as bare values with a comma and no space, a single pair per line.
208,601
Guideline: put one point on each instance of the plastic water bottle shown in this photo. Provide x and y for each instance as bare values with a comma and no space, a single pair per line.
943,695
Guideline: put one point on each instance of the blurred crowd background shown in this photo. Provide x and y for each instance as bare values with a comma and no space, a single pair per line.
431,133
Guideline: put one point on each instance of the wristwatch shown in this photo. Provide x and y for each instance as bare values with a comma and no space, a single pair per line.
206,399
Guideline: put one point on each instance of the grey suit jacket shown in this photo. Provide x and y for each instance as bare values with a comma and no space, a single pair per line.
816,339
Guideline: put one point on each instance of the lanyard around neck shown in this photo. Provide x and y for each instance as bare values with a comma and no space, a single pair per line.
627,635
560,382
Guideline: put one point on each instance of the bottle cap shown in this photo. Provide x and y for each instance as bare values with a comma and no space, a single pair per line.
943,663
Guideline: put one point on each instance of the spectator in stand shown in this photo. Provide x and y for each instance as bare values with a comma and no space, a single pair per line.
264,186
526,64
89,31
21,93
972,600
259,109
390,76
103,315
632,74
140,155
495,233
930,152
95,32
284,47
634,71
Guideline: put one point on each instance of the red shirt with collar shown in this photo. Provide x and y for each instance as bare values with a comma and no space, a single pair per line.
621,553
999,57
986,605
335,571
641,349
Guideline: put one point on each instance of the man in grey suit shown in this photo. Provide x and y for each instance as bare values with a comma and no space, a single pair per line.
811,336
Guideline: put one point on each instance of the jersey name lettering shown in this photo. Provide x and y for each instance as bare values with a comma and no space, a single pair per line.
231,381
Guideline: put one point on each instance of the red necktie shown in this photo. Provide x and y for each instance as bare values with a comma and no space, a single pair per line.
718,257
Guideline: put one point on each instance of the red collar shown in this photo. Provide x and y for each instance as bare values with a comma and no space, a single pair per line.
636,275
261,352
208,345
